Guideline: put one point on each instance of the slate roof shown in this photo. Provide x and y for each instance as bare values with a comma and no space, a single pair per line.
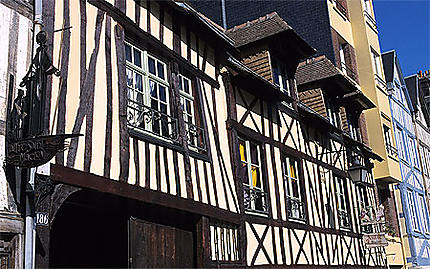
412,86
388,63
315,69
258,29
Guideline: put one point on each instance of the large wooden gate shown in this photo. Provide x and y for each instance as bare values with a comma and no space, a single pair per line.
157,246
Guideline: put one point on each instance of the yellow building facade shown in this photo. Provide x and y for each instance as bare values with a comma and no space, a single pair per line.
354,24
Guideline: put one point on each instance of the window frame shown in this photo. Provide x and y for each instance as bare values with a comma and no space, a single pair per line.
376,63
411,210
231,246
400,143
342,195
424,214
280,76
333,114
288,187
249,185
368,7
147,99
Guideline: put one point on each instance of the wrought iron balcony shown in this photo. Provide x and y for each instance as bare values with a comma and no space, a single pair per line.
255,200
152,121
348,71
195,136
341,8
344,221
295,209
391,150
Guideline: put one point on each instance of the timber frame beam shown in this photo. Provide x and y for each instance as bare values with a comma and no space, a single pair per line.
82,179
150,41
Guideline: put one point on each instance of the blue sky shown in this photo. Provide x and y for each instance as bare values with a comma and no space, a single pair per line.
404,25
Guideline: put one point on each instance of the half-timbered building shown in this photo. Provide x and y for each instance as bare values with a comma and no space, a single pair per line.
417,92
150,183
300,206
196,150
411,191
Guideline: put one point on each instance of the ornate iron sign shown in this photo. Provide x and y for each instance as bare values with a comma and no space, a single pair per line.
33,152
375,240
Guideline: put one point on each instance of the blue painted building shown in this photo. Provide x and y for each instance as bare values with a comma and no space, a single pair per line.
411,191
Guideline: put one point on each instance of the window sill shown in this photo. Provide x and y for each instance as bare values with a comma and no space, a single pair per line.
255,213
167,144
301,221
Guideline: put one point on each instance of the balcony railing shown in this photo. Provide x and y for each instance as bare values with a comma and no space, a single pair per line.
255,200
195,136
295,209
380,82
152,121
341,8
348,71
370,20
391,150
344,221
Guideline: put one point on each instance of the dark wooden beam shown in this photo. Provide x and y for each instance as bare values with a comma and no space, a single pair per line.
284,148
82,179
147,40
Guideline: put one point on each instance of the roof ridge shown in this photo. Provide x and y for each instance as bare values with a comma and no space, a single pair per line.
252,22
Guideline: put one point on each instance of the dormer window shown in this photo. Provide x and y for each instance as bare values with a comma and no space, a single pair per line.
280,77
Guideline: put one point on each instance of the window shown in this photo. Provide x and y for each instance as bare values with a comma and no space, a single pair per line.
148,94
332,111
399,141
354,131
411,208
424,214
224,243
295,205
250,173
195,134
388,141
423,156
342,202
367,211
427,159
342,48
368,6
376,60
280,77
412,152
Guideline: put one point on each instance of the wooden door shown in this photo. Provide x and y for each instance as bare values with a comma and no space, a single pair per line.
157,246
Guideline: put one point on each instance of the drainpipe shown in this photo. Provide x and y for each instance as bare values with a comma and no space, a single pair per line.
30,227
224,18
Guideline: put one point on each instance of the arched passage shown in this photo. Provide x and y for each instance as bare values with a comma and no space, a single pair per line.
98,230
89,230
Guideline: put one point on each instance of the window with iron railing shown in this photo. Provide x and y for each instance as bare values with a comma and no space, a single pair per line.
195,134
342,202
254,195
149,101
148,94
293,191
